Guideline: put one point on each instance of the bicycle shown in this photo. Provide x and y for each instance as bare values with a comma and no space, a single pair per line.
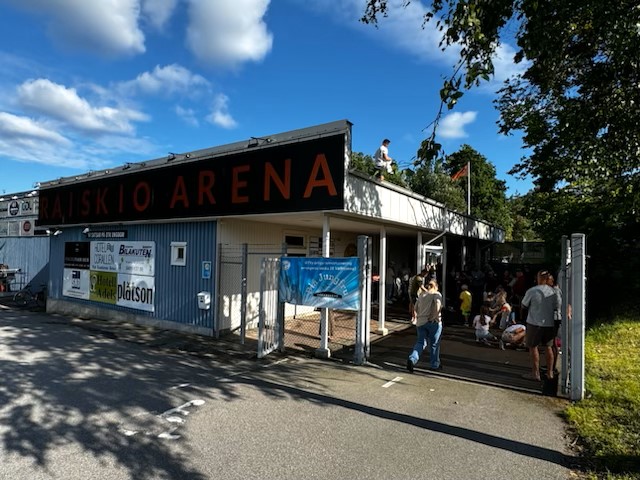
27,296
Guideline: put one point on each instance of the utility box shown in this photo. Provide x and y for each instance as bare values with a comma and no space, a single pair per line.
204,300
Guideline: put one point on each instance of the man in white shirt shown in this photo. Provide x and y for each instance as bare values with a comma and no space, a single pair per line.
538,307
382,159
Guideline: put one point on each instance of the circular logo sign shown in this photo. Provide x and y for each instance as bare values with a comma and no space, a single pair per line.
26,226
14,208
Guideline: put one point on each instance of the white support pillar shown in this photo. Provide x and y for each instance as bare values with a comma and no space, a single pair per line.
382,292
323,351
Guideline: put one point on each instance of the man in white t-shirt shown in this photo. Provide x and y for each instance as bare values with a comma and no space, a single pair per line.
382,159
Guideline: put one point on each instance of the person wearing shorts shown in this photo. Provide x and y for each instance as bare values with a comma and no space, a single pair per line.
538,306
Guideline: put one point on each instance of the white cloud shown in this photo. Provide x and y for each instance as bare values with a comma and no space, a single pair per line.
188,115
228,32
452,126
158,11
504,65
108,27
404,29
165,80
25,130
26,140
64,104
220,115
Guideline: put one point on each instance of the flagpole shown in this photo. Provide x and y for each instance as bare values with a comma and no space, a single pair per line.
469,188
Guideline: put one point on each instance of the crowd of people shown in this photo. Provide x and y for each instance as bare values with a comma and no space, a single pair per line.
519,310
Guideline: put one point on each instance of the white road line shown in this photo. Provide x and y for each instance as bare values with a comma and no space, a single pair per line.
392,382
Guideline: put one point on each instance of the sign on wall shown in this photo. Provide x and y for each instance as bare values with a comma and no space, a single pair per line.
75,279
321,282
19,207
119,273
136,258
301,176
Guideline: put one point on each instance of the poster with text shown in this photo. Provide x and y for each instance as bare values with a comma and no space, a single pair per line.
134,258
135,291
321,282
104,287
75,283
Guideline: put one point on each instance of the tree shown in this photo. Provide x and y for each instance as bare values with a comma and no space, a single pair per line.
578,101
577,104
488,194
435,183
523,228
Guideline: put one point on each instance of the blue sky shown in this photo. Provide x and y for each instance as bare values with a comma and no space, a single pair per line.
88,85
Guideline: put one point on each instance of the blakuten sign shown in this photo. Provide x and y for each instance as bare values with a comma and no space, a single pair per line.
302,176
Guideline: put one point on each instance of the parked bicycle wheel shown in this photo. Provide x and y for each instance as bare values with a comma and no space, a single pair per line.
21,298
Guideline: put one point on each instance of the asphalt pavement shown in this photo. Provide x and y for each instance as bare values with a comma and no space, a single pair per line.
83,398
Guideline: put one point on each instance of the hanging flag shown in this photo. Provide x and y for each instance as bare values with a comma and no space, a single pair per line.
463,172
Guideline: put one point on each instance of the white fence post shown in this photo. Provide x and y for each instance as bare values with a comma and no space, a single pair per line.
364,314
578,263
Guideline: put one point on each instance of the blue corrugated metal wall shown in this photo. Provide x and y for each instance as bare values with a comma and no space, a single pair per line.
30,254
176,287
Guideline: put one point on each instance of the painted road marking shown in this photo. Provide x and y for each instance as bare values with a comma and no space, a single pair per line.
392,382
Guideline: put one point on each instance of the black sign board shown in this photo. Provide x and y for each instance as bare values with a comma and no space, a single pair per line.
107,234
304,176
77,255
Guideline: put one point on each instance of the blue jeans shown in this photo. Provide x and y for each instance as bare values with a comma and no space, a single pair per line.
428,335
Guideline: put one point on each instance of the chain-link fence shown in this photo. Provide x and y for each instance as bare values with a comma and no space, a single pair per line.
239,303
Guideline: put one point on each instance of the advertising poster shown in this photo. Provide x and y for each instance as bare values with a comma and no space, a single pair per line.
104,287
135,291
114,272
75,280
321,282
134,258
75,283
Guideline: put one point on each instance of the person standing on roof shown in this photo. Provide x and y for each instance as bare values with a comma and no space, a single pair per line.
382,159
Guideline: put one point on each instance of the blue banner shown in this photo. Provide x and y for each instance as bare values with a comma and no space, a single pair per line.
321,282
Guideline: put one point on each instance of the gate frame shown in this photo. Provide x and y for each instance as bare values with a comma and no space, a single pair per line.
270,276
573,281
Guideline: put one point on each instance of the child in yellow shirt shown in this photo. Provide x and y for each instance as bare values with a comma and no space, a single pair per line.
465,304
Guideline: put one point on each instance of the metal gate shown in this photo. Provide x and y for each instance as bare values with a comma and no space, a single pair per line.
573,280
271,319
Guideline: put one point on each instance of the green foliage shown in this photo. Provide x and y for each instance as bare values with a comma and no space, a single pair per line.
488,194
365,164
523,228
607,422
436,184
578,106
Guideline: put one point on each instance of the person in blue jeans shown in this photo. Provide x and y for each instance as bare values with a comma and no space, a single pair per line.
426,315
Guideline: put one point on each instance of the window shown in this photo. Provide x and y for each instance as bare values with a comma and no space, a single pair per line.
179,254
296,244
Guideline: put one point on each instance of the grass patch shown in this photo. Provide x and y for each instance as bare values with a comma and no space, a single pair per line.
607,422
